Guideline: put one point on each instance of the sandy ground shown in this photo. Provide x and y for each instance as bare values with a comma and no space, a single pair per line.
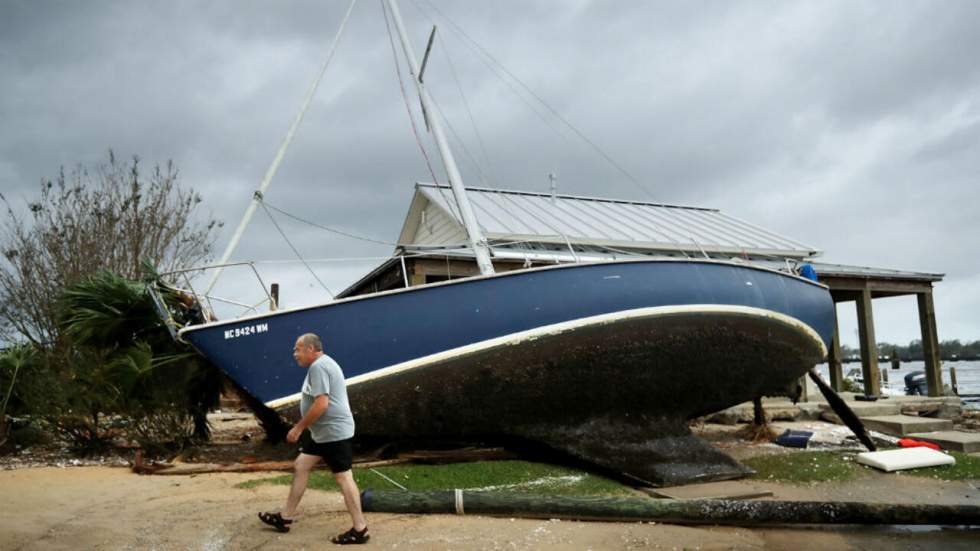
110,508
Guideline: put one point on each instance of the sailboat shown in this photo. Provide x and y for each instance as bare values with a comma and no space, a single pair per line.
602,361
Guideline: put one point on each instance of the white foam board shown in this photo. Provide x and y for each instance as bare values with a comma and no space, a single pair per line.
905,458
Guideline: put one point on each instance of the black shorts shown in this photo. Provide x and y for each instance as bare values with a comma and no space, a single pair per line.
337,455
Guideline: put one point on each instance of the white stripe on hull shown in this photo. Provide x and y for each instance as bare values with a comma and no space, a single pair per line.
514,339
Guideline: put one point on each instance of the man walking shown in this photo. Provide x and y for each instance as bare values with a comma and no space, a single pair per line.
326,413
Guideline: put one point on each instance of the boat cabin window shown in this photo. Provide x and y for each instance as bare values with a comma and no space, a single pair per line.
433,278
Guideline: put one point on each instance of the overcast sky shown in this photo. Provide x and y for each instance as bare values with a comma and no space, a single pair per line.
850,126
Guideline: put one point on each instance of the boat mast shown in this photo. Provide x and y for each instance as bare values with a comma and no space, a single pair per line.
271,171
477,241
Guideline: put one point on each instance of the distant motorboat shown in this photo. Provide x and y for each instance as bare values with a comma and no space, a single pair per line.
916,384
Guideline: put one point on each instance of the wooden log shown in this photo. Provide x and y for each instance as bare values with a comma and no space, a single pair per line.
462,455
435,457
266,466
636,509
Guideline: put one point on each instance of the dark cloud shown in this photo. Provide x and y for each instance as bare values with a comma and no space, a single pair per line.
849,126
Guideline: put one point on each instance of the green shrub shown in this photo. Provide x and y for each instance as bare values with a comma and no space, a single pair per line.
30,390
125,365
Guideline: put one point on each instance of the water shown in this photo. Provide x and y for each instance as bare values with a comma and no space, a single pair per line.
967,377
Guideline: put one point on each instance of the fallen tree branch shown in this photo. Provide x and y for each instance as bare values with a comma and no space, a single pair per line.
265,466
421,456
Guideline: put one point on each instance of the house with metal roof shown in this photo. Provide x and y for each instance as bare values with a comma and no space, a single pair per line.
522,221
526,229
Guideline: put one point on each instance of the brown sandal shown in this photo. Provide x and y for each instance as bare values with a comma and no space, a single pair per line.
276,521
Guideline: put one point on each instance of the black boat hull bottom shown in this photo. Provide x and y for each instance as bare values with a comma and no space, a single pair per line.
615,390
656,452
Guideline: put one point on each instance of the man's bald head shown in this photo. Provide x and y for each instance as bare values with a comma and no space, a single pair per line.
308,348
312,340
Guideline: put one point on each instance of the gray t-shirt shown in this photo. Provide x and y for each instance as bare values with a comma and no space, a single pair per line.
325,377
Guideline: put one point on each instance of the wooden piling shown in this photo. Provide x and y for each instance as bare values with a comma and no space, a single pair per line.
641,509
834,361
930,343
952,381
869,348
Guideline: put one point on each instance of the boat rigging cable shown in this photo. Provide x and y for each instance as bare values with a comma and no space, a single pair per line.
277,160
509,84
451,204
295,251
411,116
258,198
461,143
485,169
327,228
474,233
481,50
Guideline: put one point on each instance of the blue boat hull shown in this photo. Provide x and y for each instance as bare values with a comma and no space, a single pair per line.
368,333
620,351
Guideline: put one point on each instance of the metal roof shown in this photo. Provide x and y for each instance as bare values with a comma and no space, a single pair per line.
507,215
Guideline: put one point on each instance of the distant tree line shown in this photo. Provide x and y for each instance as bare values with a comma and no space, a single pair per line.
948,350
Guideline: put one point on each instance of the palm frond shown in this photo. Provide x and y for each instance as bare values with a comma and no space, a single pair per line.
106,311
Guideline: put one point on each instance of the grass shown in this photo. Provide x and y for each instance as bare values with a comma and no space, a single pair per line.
512,476
966,468
830,466
822,466
539,478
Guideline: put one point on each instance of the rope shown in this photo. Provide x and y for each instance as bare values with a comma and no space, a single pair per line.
458,494
296,252
377,472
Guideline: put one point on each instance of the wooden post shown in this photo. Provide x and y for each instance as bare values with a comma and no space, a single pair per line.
274,305
869,348
952,381
930,343
884,375
418,273
758,414
834,362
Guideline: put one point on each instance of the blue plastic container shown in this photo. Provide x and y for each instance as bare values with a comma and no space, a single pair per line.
794,438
